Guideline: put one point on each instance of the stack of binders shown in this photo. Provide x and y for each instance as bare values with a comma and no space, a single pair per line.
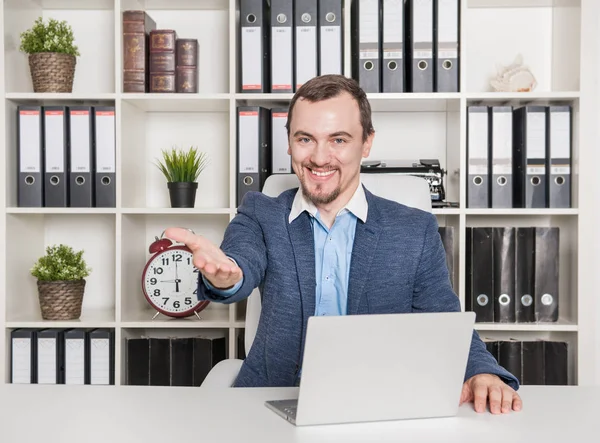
512,274
262,145
533,362
285,43
62,356
66,156
173,361
406,46
519,157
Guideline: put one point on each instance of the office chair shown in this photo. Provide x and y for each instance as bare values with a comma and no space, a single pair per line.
408,190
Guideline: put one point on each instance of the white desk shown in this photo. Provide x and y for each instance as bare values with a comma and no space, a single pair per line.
131,414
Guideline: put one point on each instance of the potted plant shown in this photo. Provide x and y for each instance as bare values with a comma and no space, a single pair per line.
52,55
181,169
60,277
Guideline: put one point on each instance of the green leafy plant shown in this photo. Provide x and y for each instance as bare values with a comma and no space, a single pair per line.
61,262
53,36
182,166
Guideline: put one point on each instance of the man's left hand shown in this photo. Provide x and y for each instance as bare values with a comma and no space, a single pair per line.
483,387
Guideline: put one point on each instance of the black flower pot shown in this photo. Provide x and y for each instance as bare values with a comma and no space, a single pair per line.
183,194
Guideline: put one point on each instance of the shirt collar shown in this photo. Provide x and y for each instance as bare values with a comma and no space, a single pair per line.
357,205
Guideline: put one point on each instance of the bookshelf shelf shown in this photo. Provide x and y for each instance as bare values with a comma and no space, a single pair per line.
557,40
539,327
90,318
522,211
154,102
42,97
74,211
176,211
213,316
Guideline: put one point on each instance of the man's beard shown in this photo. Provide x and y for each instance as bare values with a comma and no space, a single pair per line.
318,198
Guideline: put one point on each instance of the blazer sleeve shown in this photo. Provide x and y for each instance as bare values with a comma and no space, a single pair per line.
433,293
243,242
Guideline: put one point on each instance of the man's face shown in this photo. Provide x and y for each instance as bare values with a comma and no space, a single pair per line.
326,146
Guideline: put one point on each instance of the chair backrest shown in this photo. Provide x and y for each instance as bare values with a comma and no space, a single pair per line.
406,189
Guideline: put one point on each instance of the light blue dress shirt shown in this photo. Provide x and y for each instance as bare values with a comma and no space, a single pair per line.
333,250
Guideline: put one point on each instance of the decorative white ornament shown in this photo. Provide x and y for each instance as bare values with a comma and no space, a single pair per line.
514,77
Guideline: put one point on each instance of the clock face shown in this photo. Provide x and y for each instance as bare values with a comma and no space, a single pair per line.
170,282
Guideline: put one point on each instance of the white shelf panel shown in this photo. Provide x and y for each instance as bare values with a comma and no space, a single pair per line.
522,211
211,317
522,97
176,4
522,3
62,4
100,318
380,102
174,211
41,97
13,210
446,211
528,327
154,102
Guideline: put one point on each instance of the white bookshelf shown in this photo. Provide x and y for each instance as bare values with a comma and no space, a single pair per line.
557,39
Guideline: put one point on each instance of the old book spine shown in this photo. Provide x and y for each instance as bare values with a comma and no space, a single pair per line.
187,65
137,26
162,60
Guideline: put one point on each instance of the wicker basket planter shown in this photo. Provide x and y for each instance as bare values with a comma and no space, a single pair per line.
52,71
61,299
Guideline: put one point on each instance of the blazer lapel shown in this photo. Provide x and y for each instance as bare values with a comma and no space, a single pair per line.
365,246
302,238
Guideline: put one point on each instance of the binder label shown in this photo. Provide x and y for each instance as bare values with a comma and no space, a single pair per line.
249,148
392,54
281,159
502,142
30,146
331,50
100,361
47,361
393,24
282,51
55,141
368,22
478,143
536,170
306,53
560,170
21,360
80,141
561,135
448,22
419,54
536,135
423,20
448,54
251,54
105,145
74,361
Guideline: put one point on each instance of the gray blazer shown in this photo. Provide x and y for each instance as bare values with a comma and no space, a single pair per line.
398,265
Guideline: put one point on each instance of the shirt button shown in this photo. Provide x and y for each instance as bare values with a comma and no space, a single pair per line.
330,238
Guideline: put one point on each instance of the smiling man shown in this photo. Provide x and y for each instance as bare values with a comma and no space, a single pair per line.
331,247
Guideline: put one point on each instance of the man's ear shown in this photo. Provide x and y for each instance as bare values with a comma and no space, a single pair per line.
368,144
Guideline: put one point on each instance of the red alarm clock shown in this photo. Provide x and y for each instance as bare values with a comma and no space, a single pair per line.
170,280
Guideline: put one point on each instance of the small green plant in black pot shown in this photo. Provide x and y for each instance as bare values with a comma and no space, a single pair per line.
182,169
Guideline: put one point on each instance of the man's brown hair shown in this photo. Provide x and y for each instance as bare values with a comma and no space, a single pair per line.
328,86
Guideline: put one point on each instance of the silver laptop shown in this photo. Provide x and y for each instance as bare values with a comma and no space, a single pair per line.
360,368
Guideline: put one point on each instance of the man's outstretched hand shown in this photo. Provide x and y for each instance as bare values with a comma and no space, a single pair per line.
482,388
210,260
